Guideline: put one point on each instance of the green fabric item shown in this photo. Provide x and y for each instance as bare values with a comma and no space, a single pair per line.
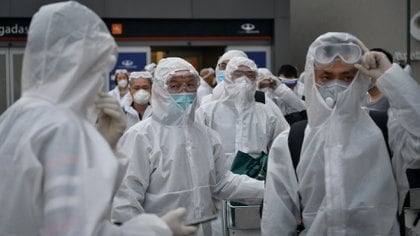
253,167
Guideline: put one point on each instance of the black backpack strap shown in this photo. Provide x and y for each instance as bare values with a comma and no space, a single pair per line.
296,116
295,140
259,96
381,119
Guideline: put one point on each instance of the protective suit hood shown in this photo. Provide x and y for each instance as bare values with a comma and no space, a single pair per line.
233,90
346,104
218,91
165,109
57,62
343,155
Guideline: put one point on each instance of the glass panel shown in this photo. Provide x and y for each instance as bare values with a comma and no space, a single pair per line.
3,86
17,72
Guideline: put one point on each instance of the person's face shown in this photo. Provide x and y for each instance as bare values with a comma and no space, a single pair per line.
336,71
244,71
121,76
186,83
222,65
140,83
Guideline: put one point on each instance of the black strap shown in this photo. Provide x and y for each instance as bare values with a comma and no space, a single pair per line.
296,116
259,96
297,129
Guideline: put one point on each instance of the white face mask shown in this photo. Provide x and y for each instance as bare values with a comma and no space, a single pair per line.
330,90
123,83
243,80
141,97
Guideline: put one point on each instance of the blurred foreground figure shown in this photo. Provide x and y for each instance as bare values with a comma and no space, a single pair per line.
58,173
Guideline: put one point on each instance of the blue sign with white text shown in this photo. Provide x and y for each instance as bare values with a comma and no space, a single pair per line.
131,61
258,57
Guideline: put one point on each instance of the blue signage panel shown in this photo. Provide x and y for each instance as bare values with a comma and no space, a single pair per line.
258,57
131,61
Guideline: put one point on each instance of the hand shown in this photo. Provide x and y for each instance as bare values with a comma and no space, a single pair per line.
172,219
111,120
374,65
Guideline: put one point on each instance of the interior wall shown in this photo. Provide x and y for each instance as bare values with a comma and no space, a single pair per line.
378,23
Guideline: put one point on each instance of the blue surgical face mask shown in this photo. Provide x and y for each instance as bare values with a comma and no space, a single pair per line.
220,75
184,99
291,83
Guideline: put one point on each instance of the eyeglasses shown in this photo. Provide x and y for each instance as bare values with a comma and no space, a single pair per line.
349,53
175,87
252,75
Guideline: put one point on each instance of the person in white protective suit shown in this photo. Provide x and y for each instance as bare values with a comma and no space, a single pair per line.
175,161
137,106
288,75
219,90
347,184
58,173
281,95
207,83
242,123
120,92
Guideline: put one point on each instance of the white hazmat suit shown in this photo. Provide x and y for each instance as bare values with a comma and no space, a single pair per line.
346,182
58,174
281,95
175,162
242,123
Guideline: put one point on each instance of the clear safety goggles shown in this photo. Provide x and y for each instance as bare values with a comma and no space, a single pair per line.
182,80
349,53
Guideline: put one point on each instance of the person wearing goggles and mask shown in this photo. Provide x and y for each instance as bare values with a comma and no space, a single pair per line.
346,183
120,92
290,105
175,161
243,124
137,105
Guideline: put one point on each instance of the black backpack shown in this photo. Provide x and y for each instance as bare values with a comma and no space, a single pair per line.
295,141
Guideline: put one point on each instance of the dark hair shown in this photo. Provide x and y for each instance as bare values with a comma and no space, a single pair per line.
288,71
387,54
116,75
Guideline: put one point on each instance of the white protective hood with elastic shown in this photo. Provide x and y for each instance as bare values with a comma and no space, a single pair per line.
219,90
346,181
281,95
175,162
345,175
243,124
58,173
165,109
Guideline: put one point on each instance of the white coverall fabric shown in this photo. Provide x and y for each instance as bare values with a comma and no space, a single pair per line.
243,124
219,90
116,93
346,181
282,96
176,162
132,115
203,90
58,174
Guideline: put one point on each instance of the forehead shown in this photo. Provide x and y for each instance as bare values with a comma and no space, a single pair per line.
337,67
244,68
141,82
182,79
